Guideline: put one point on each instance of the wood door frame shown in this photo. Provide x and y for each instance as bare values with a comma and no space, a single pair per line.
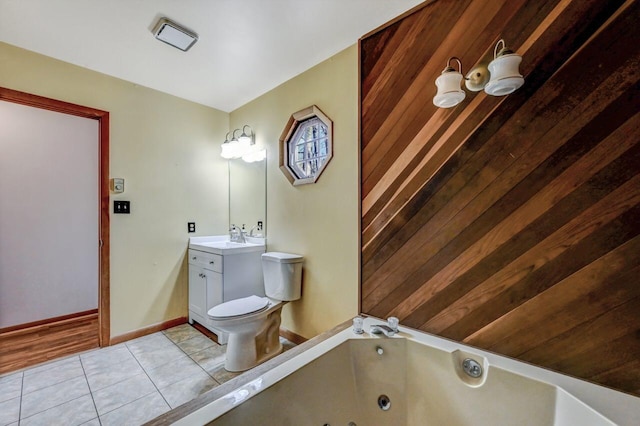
9,95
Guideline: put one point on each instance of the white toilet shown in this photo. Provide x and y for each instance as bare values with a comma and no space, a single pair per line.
253,323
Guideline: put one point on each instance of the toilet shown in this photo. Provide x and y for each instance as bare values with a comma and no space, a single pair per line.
253,323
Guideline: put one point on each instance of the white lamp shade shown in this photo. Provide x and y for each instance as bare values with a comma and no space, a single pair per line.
449,92
254,154
227,151
505,75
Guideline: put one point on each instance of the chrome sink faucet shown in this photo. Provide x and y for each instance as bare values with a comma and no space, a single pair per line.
236,235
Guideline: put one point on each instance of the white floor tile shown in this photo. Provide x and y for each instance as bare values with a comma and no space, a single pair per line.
149,343
113,374
137,412
195,344
9,411
157,357
42,367
51,376
52,396
75,412
101,361
174,371
211,358
10,387
122,393
187,389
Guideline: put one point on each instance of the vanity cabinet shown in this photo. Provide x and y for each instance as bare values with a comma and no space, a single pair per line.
218,278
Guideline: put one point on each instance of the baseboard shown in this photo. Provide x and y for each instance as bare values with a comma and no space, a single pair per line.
147,330
291,336
43,341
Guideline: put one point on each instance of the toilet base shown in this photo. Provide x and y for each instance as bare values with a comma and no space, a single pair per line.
254,344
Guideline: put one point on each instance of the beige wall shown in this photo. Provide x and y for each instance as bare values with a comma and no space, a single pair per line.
167,149
319,221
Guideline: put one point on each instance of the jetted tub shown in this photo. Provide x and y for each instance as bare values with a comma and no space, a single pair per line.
412,378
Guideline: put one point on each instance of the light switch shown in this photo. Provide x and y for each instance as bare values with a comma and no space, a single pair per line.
121,207
117,185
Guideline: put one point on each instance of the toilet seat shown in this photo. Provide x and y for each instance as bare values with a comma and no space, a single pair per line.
239,307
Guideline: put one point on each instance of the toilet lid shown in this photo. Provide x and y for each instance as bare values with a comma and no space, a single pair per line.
238,307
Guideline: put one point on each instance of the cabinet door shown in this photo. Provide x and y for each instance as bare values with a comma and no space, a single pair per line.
214,289
197,291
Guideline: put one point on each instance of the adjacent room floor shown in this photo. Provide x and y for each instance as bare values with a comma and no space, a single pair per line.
125,384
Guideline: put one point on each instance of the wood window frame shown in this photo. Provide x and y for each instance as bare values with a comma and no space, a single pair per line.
289,131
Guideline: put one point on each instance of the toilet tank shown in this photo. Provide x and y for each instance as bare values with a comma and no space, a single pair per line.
282,275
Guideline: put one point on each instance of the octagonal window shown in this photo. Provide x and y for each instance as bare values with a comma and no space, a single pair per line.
306,146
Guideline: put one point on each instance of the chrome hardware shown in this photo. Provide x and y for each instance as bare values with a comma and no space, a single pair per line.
382,329
393,322
472,368
357,325
379,350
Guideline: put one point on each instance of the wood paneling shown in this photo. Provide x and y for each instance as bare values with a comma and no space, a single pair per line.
509,223
46,341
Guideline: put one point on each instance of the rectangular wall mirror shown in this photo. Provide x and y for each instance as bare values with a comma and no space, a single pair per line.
248,194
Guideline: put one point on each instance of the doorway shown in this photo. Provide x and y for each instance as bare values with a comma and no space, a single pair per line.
47,333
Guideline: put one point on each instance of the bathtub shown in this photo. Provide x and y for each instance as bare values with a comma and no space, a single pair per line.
412,378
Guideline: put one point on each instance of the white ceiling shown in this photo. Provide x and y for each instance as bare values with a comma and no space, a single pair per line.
245,47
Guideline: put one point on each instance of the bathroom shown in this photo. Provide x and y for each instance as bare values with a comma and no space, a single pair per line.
162,145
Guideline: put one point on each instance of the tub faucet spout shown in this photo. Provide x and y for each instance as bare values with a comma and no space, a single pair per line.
382,329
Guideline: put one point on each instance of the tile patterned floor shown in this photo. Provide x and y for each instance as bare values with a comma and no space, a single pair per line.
125,384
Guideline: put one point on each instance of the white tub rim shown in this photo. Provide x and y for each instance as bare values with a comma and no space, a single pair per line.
618,407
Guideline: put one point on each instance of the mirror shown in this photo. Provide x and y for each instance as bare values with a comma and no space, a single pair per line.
248,194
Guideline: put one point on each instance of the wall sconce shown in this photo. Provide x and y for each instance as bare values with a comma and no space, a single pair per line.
242,147
501,77
449,92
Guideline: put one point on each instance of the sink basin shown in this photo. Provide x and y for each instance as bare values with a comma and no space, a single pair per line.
220,244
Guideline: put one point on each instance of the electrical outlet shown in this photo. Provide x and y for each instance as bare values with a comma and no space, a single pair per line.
121,207
191,226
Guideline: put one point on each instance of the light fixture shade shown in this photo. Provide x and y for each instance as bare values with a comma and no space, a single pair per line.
449,92
254,154
246,138
505,73
227,151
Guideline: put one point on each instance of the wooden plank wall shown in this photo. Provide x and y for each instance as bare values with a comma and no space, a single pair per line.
508,223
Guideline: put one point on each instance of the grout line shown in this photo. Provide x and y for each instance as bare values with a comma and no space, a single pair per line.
90,391
147,374
21,392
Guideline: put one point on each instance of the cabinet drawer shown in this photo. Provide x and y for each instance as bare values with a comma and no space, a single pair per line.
205,260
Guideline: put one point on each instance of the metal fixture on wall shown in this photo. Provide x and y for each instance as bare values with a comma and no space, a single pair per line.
243,146
501,77
174,34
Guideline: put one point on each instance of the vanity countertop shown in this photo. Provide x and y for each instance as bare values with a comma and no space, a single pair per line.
220,244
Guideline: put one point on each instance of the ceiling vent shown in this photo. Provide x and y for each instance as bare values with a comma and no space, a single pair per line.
175,35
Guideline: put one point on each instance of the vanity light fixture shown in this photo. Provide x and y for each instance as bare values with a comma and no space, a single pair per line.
174,34
501,77
227,148
246,139
243,146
